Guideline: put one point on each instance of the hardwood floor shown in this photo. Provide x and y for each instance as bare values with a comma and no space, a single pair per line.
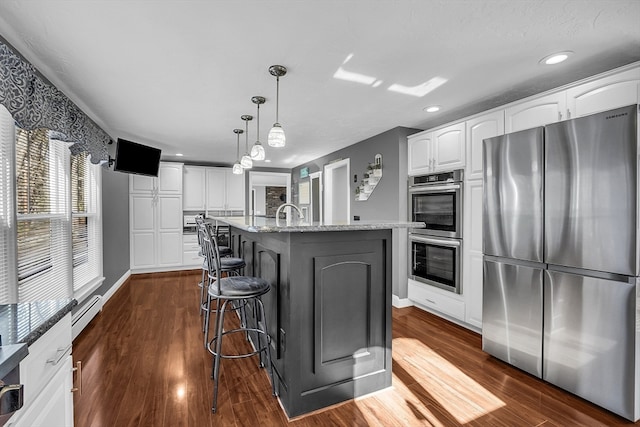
144,364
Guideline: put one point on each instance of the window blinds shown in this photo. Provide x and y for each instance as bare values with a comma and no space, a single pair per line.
43,226
7,209
86,226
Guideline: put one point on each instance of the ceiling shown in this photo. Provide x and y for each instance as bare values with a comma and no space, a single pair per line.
178,75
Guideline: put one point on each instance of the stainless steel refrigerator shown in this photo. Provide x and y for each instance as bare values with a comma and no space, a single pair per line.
561,295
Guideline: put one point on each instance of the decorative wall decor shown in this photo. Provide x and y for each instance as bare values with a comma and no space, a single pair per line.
35,103
371,179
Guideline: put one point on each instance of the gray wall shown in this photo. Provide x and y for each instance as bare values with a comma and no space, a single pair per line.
115,227
386,202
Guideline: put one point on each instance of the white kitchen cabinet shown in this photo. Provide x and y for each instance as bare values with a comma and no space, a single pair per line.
191,251
419,151
54,405
478,129
156,220
472,253
193,188
47,376
224,191
536,112
449,147
433,298
617,90
437,150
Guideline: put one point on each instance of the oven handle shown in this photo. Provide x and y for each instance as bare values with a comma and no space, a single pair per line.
430,240
434,188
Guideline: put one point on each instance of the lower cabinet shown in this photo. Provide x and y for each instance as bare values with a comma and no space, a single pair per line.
436,299
54,405
191,251
47,375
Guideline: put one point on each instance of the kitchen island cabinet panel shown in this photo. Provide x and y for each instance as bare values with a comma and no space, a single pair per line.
328,311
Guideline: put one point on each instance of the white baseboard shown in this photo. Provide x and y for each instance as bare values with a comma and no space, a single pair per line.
112,290
401,302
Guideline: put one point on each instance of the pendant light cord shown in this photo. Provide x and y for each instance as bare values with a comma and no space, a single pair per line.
277,96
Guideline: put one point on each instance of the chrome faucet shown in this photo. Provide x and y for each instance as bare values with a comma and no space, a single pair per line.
284,205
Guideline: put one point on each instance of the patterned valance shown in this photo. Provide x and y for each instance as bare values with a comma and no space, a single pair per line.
35,103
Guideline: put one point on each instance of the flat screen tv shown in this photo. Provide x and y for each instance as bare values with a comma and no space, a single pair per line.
132,157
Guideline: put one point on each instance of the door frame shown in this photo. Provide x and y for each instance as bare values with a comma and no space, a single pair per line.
329,171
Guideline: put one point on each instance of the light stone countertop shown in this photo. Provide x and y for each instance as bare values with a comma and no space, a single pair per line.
258,224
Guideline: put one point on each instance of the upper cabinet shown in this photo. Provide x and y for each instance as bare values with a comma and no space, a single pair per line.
441,149
169,181
449,147
478,129
419,150
604,94
536,112
224,190
193,188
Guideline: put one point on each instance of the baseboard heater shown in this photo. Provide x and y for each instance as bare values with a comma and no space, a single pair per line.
82,318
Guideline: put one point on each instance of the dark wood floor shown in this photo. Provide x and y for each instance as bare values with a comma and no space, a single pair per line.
144,364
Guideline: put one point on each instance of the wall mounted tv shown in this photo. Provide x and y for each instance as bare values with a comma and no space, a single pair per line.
132,157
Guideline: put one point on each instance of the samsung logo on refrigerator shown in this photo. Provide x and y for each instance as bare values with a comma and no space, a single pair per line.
613,116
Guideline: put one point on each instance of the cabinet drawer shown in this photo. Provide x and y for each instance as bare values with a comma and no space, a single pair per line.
191,257
423,295
190,238
45,358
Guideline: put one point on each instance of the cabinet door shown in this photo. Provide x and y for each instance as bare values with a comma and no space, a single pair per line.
170,178
170,248
537,112
479,128
54,406
419,153
216,189
169,213
143,249
472,264
141,184
235,190
142,208
604,94
449,147
193,184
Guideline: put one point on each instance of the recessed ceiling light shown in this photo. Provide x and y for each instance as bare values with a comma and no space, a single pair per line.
179,154
556,58
267,161
432,109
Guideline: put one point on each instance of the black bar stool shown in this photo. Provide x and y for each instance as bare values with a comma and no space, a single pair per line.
227,266
235,290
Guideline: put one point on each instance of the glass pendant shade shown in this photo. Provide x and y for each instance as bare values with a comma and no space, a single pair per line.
277,137
237,168
257,151
246,161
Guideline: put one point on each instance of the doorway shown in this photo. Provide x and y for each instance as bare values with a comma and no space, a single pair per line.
337,191
316,197
268,190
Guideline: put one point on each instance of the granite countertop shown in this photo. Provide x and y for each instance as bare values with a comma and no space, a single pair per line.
255,224
22,324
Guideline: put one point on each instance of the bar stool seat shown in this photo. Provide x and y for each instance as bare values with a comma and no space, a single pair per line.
240,287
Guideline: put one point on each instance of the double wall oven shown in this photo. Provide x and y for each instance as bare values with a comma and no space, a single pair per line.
436,251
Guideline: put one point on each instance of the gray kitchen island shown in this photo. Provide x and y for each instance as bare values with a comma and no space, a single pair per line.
329,308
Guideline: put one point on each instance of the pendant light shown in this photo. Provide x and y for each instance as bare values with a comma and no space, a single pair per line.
257,151
246,161
277,137
237,167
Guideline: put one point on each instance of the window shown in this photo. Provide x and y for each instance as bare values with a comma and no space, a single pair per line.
51,240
